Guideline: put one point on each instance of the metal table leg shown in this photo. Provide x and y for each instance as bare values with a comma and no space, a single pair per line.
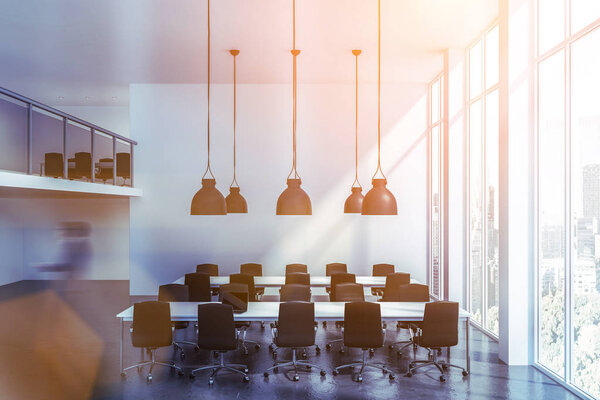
468,353
121,346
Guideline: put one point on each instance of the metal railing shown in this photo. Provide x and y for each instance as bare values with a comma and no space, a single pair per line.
66,118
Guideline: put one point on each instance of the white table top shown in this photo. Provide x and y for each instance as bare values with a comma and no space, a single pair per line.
269,311
315,281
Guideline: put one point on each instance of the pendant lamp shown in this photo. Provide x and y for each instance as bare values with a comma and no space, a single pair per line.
293,200
235,201
353,204
208,200
379,200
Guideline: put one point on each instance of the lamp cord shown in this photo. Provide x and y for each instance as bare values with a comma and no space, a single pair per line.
294,83
379,91
208,95
356,125
234,120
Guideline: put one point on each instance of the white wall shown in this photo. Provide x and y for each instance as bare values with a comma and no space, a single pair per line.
169,122
113,118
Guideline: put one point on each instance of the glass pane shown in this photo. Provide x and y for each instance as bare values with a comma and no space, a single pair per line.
79,145
585,195
492,57
123,163
475,210
13,135
551,29
475,70
435,102
435,211
583,13
551,213
47,144
492,228
103,157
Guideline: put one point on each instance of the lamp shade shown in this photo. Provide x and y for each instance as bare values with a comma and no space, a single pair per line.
354,202
379,200
208,200
293,200
236,203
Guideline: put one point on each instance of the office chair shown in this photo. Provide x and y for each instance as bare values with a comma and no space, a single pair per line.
53,165
392,285
83,166
199,286
294,292
105,173
174,292
296,268
247,280
294,329
363,329
240,290
210,269
217,333
335,268
254,270
412,292
346,292
381,270
439,329
124,166
151,329
301,278
336,279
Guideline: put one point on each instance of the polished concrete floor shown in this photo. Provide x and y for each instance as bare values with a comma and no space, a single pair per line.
62,342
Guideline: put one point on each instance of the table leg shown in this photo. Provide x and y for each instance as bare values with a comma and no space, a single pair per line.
121,347
468,353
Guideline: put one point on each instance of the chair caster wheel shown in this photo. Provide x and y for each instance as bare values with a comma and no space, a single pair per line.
442,378
266,374
211,381
444,367
342,351
324,324
304,355
392,377
274,355
149,378
390,346
359,378
180,373
215,354
328,347
335,372
409,374
257,346
318,349
465,373
246,379
196,349
245,370
308,367
276,370
296,378
182,356
123,375
271,347
323,373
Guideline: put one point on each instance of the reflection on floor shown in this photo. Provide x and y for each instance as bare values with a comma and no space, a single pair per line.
62,342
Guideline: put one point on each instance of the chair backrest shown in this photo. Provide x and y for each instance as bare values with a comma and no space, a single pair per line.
383,269
199,286
297,277
349,292
338,278
123,165
440,324
251,269
294,292
83,163
246,280
290,268
413,292
217,330
53,164
335,268
392,285
239,290
210,269
362,325
296,324
151,324
173,292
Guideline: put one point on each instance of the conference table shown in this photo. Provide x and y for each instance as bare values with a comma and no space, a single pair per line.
315,281
324,311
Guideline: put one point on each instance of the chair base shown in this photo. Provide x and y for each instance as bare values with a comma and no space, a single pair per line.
152,363
237,368
441,365
243,341
364,364
295,363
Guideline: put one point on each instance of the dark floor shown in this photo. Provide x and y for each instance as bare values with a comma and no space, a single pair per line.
63,343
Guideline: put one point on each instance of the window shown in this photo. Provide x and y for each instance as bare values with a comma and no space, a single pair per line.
568,192
482,203
435,131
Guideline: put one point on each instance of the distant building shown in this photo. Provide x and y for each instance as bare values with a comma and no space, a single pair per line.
591,191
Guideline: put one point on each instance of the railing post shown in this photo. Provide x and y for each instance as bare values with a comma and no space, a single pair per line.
114,160
131,164
29,138
93,176
65,157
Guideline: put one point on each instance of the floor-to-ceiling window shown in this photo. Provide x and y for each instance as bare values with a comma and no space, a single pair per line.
568,191
435,131
482,172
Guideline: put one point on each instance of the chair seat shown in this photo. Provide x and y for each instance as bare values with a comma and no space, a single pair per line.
242,324
410,324
181,324
294,340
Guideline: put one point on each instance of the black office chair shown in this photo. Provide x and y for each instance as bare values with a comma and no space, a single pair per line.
199,286
412,292
174,292
151,329
217,333
363,329
392,285
296,268
301,278
210,269
254,270
335,268
83,166
53,165
105,174
246,280
381,270
240,290
336,279
347,292
439,329
294,292
294,329
124,166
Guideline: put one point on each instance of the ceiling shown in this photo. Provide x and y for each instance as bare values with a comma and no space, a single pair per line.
75,52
